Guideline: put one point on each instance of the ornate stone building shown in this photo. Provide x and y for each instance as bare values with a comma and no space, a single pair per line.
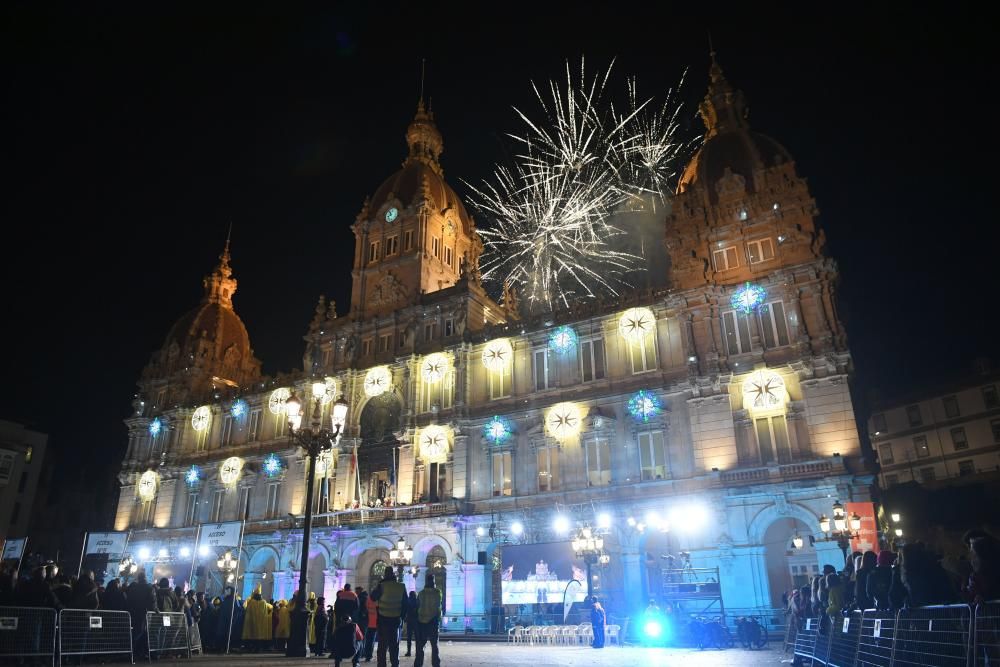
713,417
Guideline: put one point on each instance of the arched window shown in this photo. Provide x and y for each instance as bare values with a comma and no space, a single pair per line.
377,571
435,563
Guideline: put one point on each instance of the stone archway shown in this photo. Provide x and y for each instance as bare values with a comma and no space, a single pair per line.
263,565
788,567
436,564
316,573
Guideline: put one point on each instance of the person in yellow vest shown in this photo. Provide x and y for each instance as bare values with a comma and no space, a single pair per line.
257,622
391,598
283,628
311,606
428,621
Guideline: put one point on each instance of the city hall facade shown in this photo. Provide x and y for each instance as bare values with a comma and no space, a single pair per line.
711,417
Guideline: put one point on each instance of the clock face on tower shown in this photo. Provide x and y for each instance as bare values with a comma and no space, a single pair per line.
391,214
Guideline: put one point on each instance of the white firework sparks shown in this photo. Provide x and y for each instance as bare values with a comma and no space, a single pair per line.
550,211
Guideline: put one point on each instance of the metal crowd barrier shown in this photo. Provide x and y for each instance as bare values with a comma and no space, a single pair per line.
92,632
27,632
845,632
937,635
167,631
986,637
878,629
805,638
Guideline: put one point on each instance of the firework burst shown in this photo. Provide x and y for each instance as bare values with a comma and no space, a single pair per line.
551,211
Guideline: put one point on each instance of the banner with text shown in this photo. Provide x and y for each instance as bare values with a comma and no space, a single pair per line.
14,549
112,544
867,536
220,535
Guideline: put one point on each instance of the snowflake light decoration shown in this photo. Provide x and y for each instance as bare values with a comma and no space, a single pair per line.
238,409
636,323
331,390
497,430
497,355
644,405
563,420
748,298
563,340
155,427
377,381
764,389
434,441
272,465
201,417
192,476
276,403
434,367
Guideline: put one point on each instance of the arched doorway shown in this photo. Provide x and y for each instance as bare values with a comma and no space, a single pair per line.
376,573
788,567
435,564
377,459
315,573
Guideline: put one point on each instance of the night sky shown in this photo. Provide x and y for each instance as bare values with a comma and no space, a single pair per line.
133,139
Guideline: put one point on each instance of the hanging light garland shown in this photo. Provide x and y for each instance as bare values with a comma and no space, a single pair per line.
563,420
201,417
276,403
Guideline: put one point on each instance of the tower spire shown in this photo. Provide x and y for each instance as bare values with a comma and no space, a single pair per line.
422,135
723,107
220,284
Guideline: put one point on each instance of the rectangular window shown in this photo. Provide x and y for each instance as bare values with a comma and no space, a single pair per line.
373,249
966,468
927,474
760,251
990,397
540,369
436,247
392,245
878,423
500,383
218,501
407,240
950,406
449,256
191,511
726,258
243,509
227,431
891,480
280,422
772,321
772,439
958,438
548,469
253,430
449,327
592,360
430,331
995,426
385,343
737,329
273,494
651,456
913,415
643,354
503,483
598,462
885,454
920,446
366,347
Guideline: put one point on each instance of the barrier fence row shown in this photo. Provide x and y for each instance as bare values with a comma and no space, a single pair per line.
937,636
36,632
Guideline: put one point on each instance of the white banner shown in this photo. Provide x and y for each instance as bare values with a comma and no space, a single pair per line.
112,544
220,535
14,549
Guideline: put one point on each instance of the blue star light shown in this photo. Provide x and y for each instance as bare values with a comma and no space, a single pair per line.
748,298
497,430
155,427
644,405
193,475
239,408
563,339
272,465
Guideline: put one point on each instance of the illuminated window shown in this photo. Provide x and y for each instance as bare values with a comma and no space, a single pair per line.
760,250
449,256
243,508
392,245
227,431
990,397
726,258
598,455
950,406
436,247
373,251
548,469
218,500
191,511
772,439
772,322
441,392
503,474
366,347
913,415
920,447
540,369
737,329
651,459
743,214
430,331
958,438
966,468
253,429
885,454
407,240
449,327
385,343
592,360
500,382
273,491
643,354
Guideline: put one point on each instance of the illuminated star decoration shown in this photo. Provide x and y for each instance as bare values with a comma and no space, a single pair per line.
563,420
748,298
644,405
497,354
201,417
497,430
765,389
239,408
377,381
434,367
193,475
563,340
434,441
272,465
155,427
635,323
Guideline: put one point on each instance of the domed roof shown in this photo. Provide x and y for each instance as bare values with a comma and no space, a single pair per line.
212,322
421,174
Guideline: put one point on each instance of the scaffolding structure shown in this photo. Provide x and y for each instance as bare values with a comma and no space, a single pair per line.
693,591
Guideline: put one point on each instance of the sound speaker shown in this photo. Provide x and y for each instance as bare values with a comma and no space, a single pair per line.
482,558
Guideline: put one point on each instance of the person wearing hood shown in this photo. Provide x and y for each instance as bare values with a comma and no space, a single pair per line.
283,627
257,630
319,621
311,608
166,599
226,635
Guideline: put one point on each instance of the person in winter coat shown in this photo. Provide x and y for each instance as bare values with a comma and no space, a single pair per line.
429,610
166,600
114,597
317,645
257,630
283,627
63,591
984,582
346,642
226,636
598,621
346,603
141,599
923,578
862,600
209,616
370,612
391,598
85,592
411,621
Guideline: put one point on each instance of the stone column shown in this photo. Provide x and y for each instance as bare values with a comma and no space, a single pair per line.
458,468
404,484
331,584
250,581
164,503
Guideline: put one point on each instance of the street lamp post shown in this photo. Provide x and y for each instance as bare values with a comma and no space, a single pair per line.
401,556
844,528
227,565
315,440
589,546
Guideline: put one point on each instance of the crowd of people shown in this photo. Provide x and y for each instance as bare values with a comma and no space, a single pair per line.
348,630
911,576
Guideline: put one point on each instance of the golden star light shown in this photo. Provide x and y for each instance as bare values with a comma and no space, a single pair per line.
636,323
434,367
497,355
147,485
276,403
434,441
764,389
331,390
563,420
201,417
377,381
229,471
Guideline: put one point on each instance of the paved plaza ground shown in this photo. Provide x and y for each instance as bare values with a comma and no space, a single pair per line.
482,654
